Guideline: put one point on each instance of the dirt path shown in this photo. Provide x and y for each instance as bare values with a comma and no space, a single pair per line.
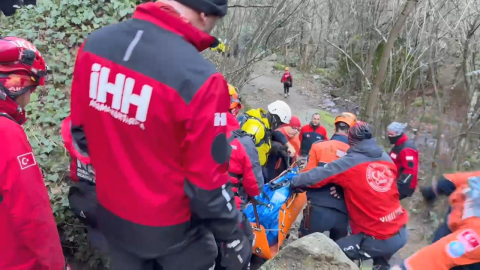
308,97
266,88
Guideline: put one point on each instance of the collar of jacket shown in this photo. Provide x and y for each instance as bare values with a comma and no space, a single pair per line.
402,140
340,137
166,17
9,107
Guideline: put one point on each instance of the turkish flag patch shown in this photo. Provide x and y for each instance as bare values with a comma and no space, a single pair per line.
26,160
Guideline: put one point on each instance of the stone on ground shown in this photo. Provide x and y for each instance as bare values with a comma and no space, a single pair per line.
312,252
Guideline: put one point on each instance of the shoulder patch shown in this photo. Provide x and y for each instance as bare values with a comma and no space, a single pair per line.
455,249
393,155
26,160
340,153
469,239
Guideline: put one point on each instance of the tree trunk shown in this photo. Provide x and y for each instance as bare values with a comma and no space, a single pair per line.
373,97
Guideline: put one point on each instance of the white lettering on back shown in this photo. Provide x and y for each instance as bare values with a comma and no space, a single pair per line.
122,96
220,119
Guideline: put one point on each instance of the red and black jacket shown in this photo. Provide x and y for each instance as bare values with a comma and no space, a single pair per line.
153,112
309,135
405,156
244,165
367,176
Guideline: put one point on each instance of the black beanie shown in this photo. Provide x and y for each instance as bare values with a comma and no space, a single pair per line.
209,7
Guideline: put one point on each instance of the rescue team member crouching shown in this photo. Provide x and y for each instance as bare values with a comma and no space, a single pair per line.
28,234
82,195
458,245
367,176
279,160
151,113
262,126
325,212
405,156
311,133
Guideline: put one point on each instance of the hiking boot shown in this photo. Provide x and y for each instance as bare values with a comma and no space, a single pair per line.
285,95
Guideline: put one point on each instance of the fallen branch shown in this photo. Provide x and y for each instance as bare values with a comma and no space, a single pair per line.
249,6
353,61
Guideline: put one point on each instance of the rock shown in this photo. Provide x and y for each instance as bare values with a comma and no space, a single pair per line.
336,92
316,77
312,252
273,57
328,103
333,111
337,98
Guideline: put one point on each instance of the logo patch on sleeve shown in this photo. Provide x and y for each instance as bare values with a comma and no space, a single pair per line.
26,160
469,239
455,249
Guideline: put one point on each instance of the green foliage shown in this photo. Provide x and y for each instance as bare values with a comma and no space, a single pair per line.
278,66
328,121
57,28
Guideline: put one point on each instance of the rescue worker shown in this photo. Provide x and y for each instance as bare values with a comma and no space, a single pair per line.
280,161
139,109
82,195
287,81
244,165
367,177
243,168
235,100
28,233
405,156
262,125
458,246
313,132
325,212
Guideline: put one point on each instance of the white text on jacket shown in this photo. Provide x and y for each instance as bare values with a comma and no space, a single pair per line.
392,215
123,96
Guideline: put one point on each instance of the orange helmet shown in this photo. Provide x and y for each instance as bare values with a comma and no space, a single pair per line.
235,100
348,118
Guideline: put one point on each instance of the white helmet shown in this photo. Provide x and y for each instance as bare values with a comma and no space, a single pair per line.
281,109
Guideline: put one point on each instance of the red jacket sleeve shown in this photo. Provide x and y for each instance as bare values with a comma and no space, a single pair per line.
300,135
249,180
77,92
409,161
26,199
78,97
205,156
323,131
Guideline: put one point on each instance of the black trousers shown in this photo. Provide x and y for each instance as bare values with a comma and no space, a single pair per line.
197,255
324,219
286,88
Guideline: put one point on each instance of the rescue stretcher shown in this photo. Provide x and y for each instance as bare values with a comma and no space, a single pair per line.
287,215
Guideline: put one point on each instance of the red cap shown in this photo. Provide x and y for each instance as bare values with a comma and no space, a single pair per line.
295,122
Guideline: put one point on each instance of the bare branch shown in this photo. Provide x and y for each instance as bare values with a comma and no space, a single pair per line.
249,6
353,61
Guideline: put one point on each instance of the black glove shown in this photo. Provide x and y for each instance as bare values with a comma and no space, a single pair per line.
236,254
296,189
427,193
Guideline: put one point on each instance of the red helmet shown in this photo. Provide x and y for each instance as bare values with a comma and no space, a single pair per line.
18,56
